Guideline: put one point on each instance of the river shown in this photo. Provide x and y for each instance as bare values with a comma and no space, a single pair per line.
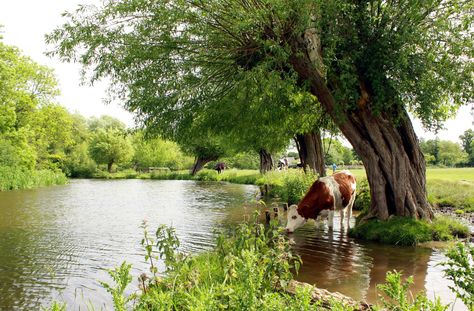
55,242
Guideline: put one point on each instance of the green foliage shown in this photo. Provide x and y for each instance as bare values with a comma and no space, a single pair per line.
248,269
336,152
397,295
122,278
110,147
362,201
467,139
242,160
51,126
105,123
443,152
156,152
12,178
459,269
78,162
408,231
57,306
16,151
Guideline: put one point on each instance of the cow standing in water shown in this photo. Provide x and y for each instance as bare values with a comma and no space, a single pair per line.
326,195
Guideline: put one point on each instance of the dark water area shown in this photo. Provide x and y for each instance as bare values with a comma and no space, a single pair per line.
55,242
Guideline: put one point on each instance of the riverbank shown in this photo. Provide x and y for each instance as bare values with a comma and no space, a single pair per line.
14,178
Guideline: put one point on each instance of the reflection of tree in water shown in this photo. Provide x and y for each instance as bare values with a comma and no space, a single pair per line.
409,260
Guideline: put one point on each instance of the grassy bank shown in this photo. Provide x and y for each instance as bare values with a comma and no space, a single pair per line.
408,231
13,178
250,268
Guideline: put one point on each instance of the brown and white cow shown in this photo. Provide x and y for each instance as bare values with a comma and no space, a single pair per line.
327,194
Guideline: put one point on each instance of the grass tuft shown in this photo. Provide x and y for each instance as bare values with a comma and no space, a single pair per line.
406,231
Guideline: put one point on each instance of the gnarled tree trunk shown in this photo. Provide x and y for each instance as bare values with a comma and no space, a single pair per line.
266,161
386,142
310,150
199,164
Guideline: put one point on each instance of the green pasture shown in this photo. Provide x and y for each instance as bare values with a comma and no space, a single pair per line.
448,174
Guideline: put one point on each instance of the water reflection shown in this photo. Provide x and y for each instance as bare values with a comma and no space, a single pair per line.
55,242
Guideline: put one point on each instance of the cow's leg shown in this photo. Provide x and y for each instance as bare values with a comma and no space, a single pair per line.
342,214
349,210
330,219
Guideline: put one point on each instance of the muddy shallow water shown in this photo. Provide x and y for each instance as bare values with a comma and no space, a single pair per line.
55,242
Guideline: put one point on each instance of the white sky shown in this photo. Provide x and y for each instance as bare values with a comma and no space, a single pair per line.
26,21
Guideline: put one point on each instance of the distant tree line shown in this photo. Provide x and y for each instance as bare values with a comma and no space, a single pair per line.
448,153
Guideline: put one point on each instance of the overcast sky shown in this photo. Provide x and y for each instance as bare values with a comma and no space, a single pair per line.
26,21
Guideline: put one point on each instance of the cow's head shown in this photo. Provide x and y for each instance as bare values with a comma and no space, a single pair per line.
295,220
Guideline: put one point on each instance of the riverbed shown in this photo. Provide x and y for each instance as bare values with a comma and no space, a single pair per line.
56,242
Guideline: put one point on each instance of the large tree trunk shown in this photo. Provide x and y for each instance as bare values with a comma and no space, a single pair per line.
386,142
266,161
310,150
199,164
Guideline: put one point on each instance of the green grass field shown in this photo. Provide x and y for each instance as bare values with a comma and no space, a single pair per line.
448,174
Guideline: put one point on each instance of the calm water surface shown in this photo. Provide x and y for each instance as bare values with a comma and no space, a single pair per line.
55,242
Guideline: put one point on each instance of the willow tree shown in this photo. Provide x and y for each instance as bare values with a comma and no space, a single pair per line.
367,62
